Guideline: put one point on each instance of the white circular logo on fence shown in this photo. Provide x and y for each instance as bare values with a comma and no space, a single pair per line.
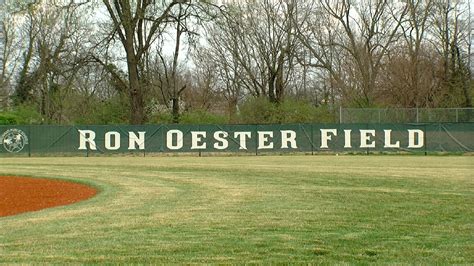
14,140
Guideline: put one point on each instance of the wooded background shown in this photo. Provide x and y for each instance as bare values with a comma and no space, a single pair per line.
249,61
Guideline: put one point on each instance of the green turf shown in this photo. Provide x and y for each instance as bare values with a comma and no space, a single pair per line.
269,209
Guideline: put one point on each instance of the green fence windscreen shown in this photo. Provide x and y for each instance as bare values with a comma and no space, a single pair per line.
90,140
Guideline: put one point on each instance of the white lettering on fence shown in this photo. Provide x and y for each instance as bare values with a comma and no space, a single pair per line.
365,137
325,137
416,139
87,137
243,136
221,140
347,138
197,140
288,137
263,140
112,145
388,140
134,140
176,135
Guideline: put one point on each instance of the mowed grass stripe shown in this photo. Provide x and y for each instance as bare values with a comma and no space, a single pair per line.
385,209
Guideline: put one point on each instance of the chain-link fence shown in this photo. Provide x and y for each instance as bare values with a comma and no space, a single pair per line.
253,139
406,115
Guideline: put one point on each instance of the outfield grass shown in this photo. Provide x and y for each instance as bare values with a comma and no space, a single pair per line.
320,209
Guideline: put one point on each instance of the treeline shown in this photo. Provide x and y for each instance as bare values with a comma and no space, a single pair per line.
249,61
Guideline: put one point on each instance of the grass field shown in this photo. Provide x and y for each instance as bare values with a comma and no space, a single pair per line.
270,209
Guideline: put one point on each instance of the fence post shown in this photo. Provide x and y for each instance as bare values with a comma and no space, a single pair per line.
256,140
199,129
87,149
367,127
29,144
340,114
457,115
162,145
417,115
426,141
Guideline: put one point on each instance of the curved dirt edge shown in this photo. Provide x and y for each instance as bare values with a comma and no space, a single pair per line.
25,194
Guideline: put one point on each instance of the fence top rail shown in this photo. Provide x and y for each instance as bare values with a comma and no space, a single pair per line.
204,126
408,108
406,115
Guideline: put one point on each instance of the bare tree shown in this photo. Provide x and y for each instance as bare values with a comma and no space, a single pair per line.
221,72
138,24
13,45
451,37
10,43
141,24
411,75
170,83
255,46
52,56
350,40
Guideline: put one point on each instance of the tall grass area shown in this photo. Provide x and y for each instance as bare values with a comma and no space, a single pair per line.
269,209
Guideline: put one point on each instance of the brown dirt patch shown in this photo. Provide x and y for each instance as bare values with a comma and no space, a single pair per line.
22,194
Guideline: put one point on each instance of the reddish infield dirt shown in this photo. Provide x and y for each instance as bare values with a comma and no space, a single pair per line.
23,194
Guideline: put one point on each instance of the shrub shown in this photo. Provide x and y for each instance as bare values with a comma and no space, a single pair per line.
261,111
110,112
21,115
161,118
202,117
27,115
257,111
7,119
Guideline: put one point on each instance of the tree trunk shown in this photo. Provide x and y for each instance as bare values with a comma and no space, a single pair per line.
271,87
279,81
137,110
175,111
232,109
137,115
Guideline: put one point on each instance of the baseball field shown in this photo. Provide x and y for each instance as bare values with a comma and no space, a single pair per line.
247,209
